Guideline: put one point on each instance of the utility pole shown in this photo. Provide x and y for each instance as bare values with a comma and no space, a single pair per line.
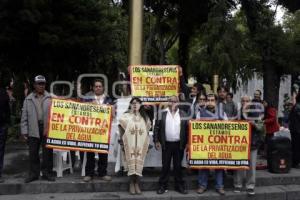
135,31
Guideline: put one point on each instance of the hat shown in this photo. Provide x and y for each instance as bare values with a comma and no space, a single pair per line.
39,79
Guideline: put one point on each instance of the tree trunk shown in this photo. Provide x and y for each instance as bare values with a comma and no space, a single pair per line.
271,84
149,41
161,49
271,77
183,52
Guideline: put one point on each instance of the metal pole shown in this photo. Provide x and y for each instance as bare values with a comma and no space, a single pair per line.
135,31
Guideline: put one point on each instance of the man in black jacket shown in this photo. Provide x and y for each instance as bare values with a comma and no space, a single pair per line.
4,121
294,126
170,134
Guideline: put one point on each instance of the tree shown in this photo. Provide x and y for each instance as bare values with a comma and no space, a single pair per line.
162,32
192,14
60,37
291,26
222,46
272,43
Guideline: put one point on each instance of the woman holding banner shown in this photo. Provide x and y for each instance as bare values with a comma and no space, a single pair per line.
211,112
134,126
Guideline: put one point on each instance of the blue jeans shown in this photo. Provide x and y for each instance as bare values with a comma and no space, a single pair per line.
3,136
203,178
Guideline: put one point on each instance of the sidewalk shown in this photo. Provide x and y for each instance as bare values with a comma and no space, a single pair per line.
71,186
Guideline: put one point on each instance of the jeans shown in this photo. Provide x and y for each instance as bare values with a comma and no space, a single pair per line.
203,178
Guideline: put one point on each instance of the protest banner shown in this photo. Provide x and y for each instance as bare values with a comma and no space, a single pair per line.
215,144
79,126
154,83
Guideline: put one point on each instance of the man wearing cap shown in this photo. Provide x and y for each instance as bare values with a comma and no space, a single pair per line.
33,129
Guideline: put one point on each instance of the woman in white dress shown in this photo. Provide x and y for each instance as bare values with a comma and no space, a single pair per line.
134,126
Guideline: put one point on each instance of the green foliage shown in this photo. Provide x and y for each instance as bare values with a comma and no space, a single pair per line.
222,46
273,45
60,37
160,30
291,26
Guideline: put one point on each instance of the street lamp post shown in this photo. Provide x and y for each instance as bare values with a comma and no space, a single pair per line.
135,31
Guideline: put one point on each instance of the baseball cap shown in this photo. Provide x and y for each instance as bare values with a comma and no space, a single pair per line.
39,79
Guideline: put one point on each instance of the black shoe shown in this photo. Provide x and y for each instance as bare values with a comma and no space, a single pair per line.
181,190
48,178
161,190
30,179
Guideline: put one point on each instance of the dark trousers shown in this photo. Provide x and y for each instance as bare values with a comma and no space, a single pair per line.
3,136
34,158
295,148
181,154
171,151
90,164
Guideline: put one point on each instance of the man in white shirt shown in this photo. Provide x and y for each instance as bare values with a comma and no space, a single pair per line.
170,134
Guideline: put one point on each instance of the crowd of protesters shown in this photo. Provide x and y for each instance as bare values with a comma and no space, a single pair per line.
170,133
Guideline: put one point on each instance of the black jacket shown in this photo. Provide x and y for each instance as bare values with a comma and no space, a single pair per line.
4,108
159,130
294,119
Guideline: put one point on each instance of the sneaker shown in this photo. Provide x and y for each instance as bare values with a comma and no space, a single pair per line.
48,178
237,189
161,190
250,192
30,179
87,178
220,191
201,190
106,178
